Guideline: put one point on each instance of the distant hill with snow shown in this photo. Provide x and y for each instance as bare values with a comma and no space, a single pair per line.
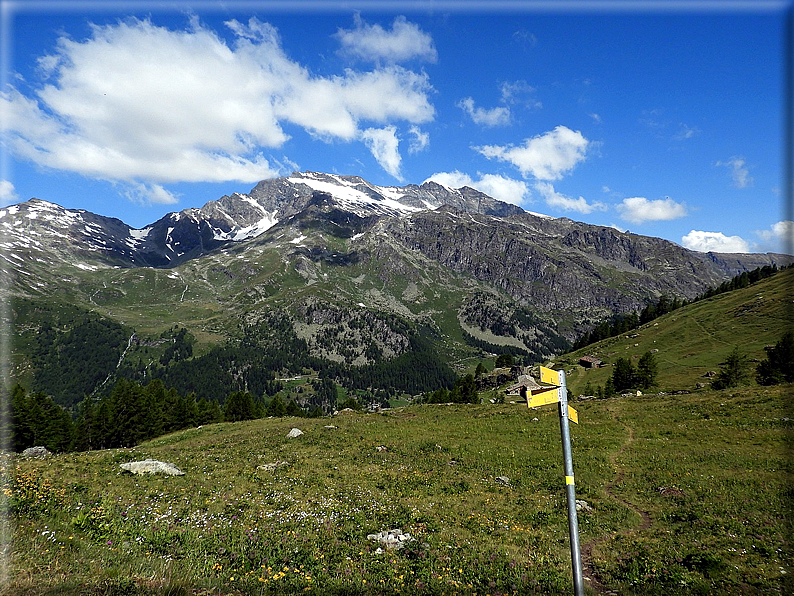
360,273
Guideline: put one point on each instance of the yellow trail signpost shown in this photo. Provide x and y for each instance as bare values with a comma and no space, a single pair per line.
558,393
542,397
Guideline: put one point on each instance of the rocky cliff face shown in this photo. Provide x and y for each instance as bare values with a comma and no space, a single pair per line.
557,265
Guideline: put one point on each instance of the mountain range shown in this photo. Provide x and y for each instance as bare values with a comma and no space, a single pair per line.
358,271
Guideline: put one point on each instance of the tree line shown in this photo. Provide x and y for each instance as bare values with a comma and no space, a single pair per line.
129,414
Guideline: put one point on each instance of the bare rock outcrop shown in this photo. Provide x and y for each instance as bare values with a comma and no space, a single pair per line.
151,466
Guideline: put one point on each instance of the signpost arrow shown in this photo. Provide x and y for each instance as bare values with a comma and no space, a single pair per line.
550,377
542,396
573,415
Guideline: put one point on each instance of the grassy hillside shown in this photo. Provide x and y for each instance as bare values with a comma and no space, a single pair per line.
689,495
695,339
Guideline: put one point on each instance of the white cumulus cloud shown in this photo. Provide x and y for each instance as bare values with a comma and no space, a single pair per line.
8,193
404,42
778,238
499,187
148,194
497,116
384,144
714,242
639,209
560,201
145,104
546,157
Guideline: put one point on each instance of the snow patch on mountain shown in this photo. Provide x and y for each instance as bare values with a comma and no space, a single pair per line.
140,234
349,197
251,202
541,215
137,237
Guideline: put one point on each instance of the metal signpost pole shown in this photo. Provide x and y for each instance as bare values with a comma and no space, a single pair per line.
570,490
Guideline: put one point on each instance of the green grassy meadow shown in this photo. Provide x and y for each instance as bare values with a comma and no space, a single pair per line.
693,340
690,494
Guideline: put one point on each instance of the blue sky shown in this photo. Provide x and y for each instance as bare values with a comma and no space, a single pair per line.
665,119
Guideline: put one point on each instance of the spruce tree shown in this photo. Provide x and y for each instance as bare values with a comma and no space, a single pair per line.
778,367
293,409
239,406
208,411
646,371
733,372
465,391
276,408
623,375
21,420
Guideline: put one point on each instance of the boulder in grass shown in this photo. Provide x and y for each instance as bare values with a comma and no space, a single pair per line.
37,452
295,432
151,466
391,539
582,505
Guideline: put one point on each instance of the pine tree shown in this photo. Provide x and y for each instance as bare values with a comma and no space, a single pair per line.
24,434
239,406
208,411
276,408
646,371
733,372
623,375
465,391
778,367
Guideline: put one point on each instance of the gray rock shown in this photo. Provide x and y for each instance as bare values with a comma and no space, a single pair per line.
295,432
503,480
582,505
37,452
391,539
151,466
272,466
